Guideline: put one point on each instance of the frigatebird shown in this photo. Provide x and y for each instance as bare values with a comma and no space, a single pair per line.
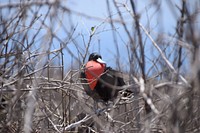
102,83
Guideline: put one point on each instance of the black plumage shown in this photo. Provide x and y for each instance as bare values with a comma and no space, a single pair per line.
108,83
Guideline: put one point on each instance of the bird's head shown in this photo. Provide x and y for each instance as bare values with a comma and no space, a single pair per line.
96,57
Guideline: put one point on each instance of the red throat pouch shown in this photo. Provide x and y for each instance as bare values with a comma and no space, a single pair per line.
93,71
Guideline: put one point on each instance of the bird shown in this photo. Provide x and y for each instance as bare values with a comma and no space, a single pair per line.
103,83
100,82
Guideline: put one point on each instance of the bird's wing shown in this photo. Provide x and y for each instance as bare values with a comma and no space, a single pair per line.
114,72
113,77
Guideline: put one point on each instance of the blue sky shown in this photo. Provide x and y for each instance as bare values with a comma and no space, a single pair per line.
161,21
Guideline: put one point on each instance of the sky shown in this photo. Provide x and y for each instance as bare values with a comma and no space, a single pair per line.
74,28
163,22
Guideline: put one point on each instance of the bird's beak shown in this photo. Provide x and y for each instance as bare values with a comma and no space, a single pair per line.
101,61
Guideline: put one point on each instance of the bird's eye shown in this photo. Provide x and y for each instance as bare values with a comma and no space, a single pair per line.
96,57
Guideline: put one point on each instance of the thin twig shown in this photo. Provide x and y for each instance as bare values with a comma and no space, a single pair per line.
164,57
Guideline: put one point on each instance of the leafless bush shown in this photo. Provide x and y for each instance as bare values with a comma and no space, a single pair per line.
42,50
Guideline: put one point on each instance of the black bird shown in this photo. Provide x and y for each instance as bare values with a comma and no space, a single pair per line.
101,82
